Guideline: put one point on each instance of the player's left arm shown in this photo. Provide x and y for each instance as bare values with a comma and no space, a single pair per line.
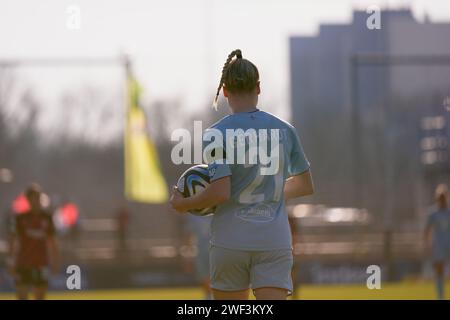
300,182
219,191
55,258
298,186
53,247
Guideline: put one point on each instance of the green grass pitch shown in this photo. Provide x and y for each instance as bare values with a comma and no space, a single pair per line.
404,290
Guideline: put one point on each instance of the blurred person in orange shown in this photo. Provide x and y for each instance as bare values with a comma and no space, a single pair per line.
33,247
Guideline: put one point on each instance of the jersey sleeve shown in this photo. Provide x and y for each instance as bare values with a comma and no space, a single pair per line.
215,155
298,163
218,171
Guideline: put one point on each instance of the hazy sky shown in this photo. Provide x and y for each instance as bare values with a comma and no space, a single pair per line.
179,46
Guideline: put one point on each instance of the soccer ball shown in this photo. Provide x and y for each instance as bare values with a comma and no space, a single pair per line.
194,180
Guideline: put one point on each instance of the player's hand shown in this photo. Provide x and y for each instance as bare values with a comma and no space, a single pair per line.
177,201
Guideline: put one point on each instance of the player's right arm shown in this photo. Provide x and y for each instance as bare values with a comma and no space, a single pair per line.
12,253
219,191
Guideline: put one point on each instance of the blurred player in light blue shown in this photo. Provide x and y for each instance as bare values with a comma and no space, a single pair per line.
251,243
198,233
437,237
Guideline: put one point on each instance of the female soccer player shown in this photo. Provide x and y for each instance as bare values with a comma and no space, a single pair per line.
438,225
251,244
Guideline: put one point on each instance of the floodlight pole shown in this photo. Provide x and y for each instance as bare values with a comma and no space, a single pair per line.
356,133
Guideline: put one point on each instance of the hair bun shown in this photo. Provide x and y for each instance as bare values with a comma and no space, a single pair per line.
238,53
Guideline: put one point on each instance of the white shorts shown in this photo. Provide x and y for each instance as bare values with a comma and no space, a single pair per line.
236,270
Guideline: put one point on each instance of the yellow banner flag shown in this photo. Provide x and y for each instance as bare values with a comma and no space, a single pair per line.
144,181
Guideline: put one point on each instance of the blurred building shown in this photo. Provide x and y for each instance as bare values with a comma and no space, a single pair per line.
367,126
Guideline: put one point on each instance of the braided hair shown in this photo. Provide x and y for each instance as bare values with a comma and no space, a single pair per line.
238,75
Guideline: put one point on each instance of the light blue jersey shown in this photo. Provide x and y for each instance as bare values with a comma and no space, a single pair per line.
255,217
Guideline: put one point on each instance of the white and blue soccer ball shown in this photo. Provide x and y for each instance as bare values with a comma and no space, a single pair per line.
193,181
